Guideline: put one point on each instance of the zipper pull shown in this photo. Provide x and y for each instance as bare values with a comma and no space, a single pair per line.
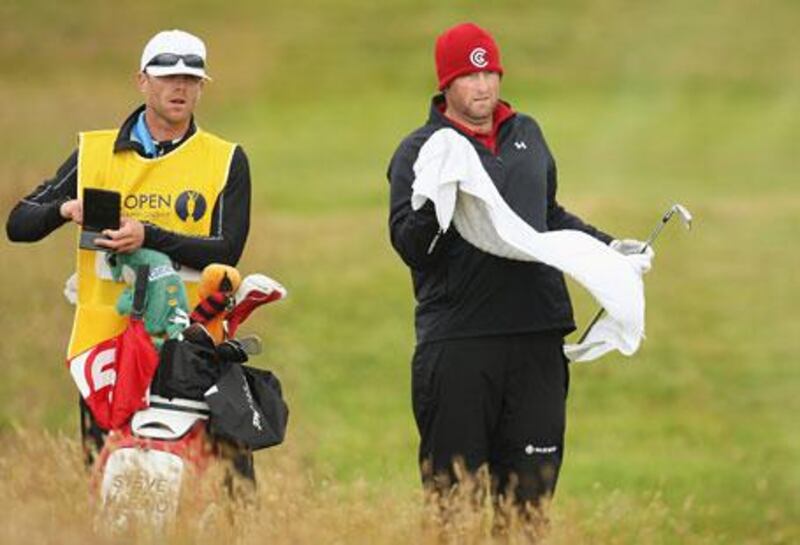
432,245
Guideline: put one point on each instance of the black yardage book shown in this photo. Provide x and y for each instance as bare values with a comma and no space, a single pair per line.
101,210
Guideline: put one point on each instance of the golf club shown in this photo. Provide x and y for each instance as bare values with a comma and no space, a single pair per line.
686,219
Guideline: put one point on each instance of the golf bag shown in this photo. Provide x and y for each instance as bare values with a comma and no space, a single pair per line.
201,406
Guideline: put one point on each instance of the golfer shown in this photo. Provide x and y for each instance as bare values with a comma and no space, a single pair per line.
489,377
184,192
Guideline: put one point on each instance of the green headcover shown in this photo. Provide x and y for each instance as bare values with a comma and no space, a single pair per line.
166,305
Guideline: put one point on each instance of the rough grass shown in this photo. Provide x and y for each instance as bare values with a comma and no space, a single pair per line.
693,441
45,500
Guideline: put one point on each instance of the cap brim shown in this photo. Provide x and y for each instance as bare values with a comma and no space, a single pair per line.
180,68
163,423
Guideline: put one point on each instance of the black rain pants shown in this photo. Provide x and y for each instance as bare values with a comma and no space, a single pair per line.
495,400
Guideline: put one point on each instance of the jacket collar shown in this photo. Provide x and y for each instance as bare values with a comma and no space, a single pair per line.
124,142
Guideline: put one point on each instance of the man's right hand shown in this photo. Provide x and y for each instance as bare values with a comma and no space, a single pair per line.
72,210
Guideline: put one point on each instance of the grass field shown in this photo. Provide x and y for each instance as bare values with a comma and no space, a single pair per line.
694,440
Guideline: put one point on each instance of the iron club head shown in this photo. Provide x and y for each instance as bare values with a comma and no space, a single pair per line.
684,214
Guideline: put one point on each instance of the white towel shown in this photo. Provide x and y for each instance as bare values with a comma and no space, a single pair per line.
449,173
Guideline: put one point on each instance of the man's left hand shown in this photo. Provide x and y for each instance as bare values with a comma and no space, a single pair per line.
639,254
629,246
126,239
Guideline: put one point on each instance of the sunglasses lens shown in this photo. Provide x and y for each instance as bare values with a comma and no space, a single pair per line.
164,59
171,59
194,61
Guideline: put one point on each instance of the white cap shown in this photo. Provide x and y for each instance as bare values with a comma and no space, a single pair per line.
177,42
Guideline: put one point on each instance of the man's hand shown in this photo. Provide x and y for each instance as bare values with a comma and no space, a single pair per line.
72,210
126,239
630,246
640,260
641,263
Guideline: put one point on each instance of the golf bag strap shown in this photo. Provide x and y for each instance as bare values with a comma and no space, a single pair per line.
140,290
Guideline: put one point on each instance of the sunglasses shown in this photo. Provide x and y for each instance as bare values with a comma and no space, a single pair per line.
171,59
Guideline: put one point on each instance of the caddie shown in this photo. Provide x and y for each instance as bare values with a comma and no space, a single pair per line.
183,191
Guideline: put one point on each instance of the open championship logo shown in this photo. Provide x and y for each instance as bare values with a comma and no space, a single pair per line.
190,204
478,57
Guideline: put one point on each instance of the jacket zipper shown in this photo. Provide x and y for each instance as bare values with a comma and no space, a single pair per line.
432,245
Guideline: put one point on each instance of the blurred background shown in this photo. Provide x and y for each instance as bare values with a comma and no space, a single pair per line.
694,439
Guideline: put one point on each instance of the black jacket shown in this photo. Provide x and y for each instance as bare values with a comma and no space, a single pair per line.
37,215
460,290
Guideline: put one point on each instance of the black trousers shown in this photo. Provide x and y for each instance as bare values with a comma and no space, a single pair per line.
499,401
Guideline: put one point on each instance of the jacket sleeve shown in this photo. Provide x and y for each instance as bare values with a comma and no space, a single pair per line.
558,218
37,215
415,235
230,225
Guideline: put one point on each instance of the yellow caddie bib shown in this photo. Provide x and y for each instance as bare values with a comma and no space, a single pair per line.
176,192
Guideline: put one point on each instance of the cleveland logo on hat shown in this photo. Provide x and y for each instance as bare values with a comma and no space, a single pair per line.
478,57
464,49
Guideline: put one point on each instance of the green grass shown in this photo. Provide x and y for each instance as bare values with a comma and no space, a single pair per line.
642,104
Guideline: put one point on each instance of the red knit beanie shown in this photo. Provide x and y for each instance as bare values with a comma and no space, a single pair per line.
464,49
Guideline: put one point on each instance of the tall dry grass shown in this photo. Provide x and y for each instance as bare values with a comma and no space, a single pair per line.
44,498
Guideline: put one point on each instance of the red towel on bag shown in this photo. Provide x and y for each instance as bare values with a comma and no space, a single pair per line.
113,376
137,360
